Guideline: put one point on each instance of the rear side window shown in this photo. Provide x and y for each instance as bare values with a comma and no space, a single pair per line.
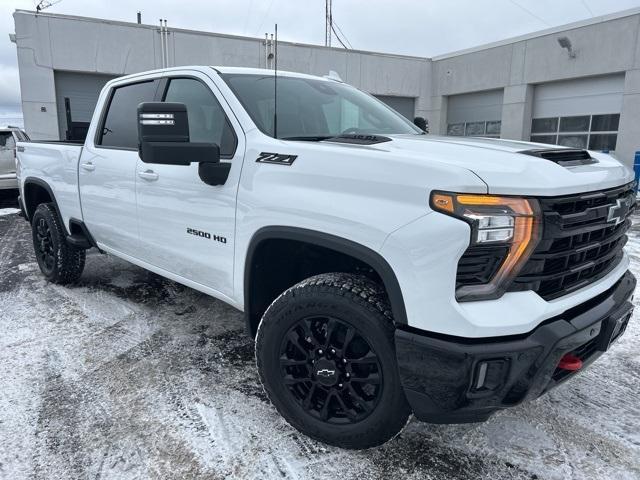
207,120
120,127
4,139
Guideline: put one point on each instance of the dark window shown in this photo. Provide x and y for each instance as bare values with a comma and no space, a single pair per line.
455,129
4,137
11,142
474,129
574,124
120,127
551,139
544,125
603,141
493,128
207,120
573,141
605,123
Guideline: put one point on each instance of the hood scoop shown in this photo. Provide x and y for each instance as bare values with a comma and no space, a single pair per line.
565,157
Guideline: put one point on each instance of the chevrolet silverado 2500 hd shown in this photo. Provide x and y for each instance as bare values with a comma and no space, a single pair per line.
381,271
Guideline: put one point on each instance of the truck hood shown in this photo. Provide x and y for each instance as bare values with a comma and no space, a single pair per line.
505,169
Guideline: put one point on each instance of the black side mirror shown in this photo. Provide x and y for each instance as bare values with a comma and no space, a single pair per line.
421,123
163,136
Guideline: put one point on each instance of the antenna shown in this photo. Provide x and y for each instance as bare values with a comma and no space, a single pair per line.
275,88
42,4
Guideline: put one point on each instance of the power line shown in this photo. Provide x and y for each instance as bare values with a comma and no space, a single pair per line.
339,39
246,18
531,13
587,7
343,35
265,15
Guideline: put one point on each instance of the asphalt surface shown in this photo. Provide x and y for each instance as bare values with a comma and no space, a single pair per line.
128,375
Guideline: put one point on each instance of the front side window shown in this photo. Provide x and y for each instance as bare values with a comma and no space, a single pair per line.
120,128
311,109
207,120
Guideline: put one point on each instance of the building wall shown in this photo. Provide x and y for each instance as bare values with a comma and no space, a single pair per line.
56,43
604,46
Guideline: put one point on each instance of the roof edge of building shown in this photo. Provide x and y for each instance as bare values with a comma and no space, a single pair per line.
214,34
541,33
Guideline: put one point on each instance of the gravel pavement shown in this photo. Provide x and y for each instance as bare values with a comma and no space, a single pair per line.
130,376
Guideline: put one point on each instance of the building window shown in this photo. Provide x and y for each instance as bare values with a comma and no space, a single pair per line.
490,129
595,132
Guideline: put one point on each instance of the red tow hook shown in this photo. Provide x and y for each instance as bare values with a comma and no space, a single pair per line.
570,362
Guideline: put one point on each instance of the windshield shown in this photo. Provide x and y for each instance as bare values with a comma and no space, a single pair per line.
314,109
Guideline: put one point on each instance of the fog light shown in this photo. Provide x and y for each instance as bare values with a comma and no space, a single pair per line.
489,375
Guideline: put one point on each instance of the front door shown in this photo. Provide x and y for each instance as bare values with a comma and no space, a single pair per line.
186,226
107,171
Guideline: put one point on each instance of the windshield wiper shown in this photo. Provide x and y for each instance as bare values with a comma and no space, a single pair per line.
316,138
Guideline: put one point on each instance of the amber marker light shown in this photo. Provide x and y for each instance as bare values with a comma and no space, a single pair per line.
513,222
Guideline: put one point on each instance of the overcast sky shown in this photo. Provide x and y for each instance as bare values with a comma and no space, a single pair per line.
413,27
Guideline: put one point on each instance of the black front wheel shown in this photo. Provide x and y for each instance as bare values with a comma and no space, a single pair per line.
59,262
326,358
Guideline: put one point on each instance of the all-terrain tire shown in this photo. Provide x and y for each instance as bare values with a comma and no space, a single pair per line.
59,262
357,305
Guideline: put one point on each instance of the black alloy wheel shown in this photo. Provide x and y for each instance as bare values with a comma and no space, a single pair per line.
45,252
331,370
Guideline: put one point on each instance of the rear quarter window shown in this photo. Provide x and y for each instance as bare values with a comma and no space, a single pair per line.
120,124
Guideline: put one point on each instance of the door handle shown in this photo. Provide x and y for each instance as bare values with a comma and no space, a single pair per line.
89,167
149,175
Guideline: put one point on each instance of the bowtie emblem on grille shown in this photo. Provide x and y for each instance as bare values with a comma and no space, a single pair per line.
325,372
618,212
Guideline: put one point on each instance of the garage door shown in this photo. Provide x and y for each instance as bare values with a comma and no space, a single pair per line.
82,89
581,113
405,106
475,114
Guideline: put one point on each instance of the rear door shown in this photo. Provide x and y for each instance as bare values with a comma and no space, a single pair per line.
107,171
186,226
7,154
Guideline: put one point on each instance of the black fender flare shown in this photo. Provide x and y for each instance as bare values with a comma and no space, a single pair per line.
45,185
332,242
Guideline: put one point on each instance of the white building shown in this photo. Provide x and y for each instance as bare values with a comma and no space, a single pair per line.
576,85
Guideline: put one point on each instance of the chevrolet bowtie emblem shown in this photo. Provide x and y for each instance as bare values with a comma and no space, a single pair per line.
618,212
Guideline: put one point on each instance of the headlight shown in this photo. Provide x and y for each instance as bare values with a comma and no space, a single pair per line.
510,222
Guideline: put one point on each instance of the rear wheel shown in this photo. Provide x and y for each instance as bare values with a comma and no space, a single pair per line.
59,262
326,358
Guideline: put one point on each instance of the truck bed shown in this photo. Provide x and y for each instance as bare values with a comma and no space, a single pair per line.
57,161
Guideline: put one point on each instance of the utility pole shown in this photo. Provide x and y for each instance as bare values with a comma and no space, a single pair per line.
328,23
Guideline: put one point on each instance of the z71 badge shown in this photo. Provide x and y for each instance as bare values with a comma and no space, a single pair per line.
277,158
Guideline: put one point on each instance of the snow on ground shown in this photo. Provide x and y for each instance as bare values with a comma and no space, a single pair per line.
128,375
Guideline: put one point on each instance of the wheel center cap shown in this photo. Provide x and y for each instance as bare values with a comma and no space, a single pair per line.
325,372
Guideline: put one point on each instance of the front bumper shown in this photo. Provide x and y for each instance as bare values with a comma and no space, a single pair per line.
457,380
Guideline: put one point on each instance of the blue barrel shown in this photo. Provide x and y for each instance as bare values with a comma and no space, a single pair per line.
636,168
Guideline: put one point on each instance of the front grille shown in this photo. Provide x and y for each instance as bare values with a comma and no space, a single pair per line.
581,242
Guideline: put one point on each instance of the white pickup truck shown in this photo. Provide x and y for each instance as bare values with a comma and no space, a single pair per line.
382,271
